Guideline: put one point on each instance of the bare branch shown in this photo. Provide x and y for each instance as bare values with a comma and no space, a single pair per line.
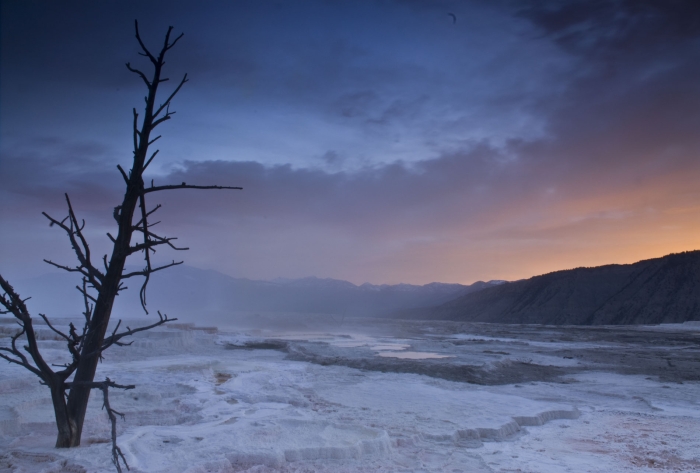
148,214
154,240
115,337
85,293
14,304
54,329
165,44
150,271
167,102
73,230
117,455
73,341
23,362
151,158
121,170
151,244
15,351
69,230
185,186
165,117
151,212
69,269
116,451
86,247
136,133
147,53
88,308
169,46
42,369
140,74
147,256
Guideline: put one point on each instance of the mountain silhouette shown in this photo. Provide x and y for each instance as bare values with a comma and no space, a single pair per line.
654,291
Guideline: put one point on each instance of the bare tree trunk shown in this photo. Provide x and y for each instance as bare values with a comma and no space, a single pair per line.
79,394
65,425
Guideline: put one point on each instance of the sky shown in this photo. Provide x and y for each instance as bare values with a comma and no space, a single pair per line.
381,141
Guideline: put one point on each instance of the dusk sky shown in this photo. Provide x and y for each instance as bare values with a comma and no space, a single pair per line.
376,141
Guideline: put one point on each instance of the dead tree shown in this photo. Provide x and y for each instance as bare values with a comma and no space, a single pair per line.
100,286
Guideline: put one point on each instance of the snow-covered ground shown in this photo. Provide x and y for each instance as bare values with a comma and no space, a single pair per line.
378,395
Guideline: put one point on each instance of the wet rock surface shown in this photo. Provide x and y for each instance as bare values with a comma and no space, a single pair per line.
493,354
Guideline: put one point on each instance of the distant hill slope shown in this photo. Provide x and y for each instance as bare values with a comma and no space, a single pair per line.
661,290
184,290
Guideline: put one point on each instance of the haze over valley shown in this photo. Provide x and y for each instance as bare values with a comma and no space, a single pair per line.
655,291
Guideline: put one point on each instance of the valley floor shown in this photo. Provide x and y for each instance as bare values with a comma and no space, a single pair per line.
365,395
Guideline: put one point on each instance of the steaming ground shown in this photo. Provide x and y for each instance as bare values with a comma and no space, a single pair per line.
387,396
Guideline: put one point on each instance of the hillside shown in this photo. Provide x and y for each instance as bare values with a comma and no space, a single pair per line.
661,290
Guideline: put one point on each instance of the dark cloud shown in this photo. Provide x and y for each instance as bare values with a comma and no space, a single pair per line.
355,104
51,166
613,28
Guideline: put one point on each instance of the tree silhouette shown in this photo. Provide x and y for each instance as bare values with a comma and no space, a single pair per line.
100,286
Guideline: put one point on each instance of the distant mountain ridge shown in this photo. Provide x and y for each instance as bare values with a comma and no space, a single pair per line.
653,291
306,295
188,290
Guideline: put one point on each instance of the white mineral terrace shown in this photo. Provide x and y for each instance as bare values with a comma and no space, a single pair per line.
344,400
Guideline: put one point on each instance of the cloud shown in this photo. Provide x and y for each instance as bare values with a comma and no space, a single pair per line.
606,30
35,177
383,221
375,143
